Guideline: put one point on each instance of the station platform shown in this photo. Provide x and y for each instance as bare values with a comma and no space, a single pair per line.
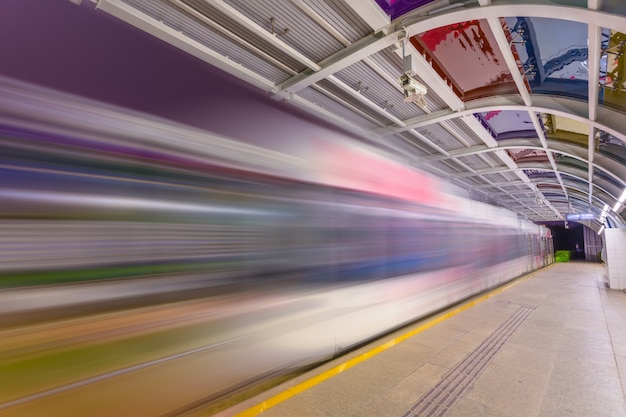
552,343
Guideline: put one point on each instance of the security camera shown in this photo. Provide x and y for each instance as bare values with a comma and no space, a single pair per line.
414,91
412,86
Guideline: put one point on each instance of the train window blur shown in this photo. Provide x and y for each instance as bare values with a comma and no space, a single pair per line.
268,263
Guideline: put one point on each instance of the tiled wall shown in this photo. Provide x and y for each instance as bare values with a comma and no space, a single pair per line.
593,245
615,240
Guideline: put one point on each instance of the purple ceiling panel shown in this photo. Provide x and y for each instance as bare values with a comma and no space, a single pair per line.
507,124
395,8
537,174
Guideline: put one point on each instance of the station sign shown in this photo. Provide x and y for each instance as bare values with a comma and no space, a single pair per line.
580,216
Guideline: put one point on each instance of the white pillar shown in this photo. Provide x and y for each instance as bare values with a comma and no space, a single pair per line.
615,240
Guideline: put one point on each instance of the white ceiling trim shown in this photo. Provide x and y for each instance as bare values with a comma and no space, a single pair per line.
370,12
610,120
359,50
160,30
593,55
505,49
219,28
599,201
364,100
568,171
320,21
428,74
262,33
388,34
542,138
480,150
415,23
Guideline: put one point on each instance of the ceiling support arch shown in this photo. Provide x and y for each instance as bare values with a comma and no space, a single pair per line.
610,120
312,77
483,149
581,177
585,192
415,23
614,217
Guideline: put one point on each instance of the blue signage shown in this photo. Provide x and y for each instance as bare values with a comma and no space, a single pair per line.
580,216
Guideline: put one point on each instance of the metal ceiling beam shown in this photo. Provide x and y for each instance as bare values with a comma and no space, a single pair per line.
512,166
362,48
608,119
430,143
480,131
517,200
486,137
309,11
520,82
509,184
494,23
364,11
431,78
544,182
594,37
415,22
345,124
457,135
391,80
537,168
558,175
441,88
437,85
221,29
370,12
364,100
475,150
262,32
509,59
542,138
161,31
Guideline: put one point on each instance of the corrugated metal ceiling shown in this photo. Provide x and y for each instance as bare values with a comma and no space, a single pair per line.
328,54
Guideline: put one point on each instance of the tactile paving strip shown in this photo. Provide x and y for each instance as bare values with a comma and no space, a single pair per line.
440,399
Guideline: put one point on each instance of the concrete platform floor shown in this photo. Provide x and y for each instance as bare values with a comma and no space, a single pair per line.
551,345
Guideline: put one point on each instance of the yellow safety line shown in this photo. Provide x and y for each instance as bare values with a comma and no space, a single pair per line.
290,392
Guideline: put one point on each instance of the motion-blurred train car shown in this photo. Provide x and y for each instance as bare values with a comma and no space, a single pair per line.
346,241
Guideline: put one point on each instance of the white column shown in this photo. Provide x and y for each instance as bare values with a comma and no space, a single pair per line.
615,241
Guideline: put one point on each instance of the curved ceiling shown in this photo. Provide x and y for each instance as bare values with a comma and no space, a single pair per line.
525,103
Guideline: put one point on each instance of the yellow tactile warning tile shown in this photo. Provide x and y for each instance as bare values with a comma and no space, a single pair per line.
290,392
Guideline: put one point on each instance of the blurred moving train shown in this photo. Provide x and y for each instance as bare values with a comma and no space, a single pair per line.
349,239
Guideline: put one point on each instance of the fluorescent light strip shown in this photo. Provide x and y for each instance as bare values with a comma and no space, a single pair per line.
601,230
616,206
623,197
